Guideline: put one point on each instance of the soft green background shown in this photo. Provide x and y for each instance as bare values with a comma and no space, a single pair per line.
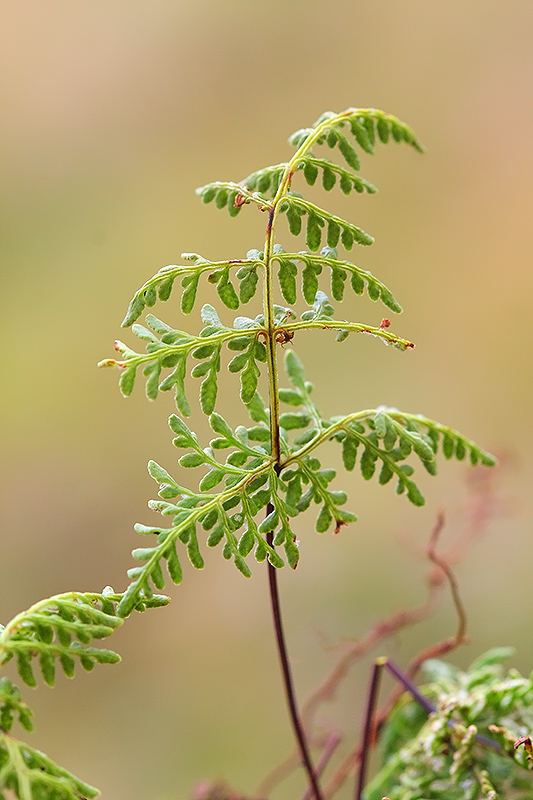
113,111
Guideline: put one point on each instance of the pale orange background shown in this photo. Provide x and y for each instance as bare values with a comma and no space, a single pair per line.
113,111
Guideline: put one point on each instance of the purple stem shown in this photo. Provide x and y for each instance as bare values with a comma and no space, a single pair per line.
287,674
367,729
369,713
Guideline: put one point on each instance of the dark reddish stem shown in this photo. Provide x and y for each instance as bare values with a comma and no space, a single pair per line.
287,674
368,730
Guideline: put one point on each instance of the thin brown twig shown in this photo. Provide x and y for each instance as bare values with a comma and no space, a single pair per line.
482,505
437,650
380,631
441,648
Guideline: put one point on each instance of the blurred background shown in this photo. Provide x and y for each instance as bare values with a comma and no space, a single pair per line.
113,111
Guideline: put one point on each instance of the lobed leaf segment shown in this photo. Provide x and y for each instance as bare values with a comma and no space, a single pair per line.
60,630
247,275
31,775
171,349
330,129
273,463
441,757
276,181
250,480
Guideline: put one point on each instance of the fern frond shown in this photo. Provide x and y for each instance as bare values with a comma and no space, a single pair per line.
273,463
387,436
31,775
330,171
161,284
60,629
364,123
11,706
276,179
296,207
174,347
340,269
246,469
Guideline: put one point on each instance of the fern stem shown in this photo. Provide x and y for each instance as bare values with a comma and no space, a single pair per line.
270,327
287,674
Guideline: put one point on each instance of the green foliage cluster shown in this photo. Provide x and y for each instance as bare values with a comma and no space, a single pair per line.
268,466
167,348
58,630
272,464
447,757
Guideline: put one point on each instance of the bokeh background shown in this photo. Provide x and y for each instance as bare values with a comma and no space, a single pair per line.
113,111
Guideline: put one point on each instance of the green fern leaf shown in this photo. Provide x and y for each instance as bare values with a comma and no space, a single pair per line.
44,631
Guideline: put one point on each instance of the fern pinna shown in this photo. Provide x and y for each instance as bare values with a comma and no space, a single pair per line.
272,463
55,631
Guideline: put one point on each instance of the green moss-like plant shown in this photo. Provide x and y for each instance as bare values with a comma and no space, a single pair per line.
470,748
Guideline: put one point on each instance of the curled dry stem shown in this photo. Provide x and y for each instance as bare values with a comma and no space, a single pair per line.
435,651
